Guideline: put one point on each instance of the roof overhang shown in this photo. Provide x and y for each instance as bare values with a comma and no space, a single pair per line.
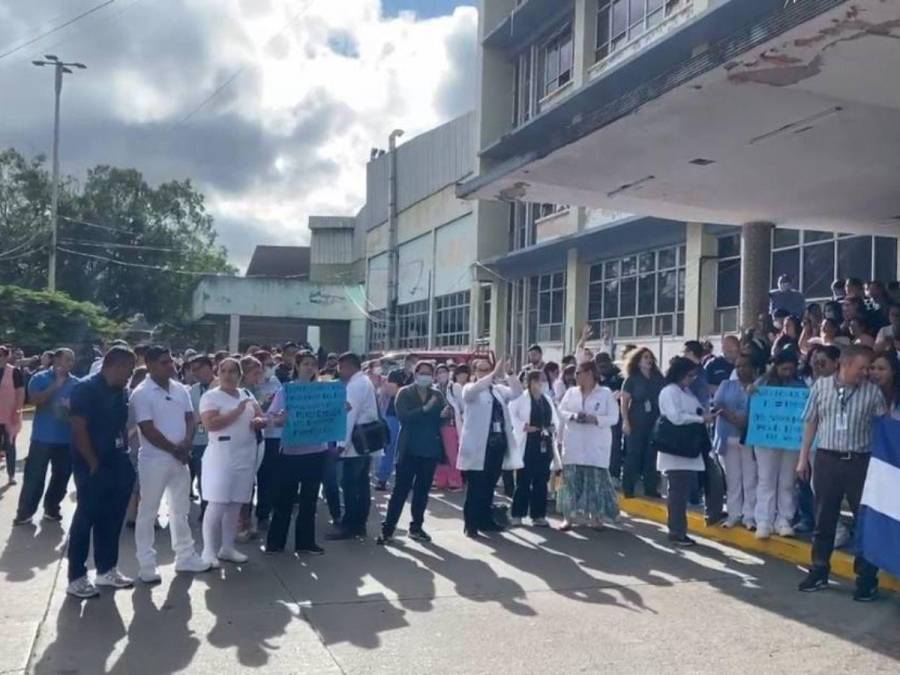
793,118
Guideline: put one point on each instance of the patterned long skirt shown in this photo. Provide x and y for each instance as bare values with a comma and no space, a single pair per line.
587,492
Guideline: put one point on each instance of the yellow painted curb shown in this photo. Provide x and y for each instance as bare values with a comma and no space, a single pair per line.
791,550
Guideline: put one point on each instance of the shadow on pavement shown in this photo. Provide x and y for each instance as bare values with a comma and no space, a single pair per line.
30,548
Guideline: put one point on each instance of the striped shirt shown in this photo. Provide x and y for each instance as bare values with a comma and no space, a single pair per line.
845,415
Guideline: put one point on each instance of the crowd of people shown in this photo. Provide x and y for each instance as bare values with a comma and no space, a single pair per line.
146,423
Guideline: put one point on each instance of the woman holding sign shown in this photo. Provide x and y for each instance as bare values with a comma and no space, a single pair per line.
296,468
776,501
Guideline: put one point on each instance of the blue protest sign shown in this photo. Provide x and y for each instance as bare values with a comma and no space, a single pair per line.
316,413
776,417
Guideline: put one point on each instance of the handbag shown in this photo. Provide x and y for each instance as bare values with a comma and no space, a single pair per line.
681,440
371,436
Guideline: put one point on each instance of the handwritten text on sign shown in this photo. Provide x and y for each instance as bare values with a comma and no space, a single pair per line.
776,417
316,413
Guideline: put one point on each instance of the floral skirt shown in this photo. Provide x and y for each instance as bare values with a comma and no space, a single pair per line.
588,492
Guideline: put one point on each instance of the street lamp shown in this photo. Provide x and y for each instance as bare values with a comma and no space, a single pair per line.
61,68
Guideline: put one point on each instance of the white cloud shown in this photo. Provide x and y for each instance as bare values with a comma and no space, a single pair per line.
288,138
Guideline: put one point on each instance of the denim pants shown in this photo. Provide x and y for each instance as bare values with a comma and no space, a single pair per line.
387,461
102,501
357,493
331,484
40,456
267,479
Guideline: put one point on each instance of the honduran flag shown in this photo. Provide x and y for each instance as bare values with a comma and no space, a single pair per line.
879,518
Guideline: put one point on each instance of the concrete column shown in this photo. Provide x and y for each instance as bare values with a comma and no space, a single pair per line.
577,278
584,29
234,333
700,282
756,270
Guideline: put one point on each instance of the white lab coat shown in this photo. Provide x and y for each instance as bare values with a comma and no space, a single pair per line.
679,406
363,409
520,415
588,444
478,398
454,397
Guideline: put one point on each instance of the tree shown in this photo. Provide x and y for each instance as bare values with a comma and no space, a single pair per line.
123,244
39,320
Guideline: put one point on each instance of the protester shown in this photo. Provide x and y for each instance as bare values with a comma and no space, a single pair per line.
356,463
640,410
49,391
395,380
566,381
535,358
447,476
535,425
285,370
420,407
885,373
693,351
12,399
589,411
829,336
860,332
889,336
788,339
487,441
330,368
839,417
787,298
684,432
98,412
134,449
259,375
201,366
296,466
232,417
719,369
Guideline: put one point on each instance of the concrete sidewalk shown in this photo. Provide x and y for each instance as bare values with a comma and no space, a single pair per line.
529,601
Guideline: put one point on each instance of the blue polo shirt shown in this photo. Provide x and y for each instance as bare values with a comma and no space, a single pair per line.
51,421
106,411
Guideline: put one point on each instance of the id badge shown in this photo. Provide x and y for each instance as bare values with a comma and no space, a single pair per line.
648,407
496,427
841,424
120,442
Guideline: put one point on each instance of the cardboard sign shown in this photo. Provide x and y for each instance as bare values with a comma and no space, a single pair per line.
316,413
776,417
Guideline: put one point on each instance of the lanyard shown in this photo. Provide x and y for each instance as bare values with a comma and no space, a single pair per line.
844,400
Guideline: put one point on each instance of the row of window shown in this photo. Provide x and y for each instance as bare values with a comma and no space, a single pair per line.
523,219
622,21
451,323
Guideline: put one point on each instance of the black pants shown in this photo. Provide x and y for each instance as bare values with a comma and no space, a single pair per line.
8,447
680,484
267,480
414,474
480,487
293,472
531,486
713,483
509,482
616,454
640,461
833,479
102,501
40,455
357,493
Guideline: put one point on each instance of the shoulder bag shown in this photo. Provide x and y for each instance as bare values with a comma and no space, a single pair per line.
372,436
681,440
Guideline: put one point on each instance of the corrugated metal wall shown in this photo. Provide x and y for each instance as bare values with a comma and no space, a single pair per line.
332,247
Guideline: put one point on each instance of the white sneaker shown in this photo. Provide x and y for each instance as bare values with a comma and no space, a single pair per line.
515,522
233,556
785,530
82,588
149,575
730,522
192,564
113,579
212,561
763,532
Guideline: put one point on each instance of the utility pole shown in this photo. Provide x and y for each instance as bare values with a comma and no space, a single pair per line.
60,69
393,326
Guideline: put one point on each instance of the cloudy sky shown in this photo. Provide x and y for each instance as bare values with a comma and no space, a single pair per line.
317,84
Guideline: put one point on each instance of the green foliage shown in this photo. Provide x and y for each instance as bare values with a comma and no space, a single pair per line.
131,264
39,320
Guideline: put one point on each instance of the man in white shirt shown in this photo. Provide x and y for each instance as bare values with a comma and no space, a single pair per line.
362,409
165,419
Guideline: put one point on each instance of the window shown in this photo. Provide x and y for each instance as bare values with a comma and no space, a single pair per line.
728,283
523,218
816,258
451,320
486,299
378,331
622,21
638,295
557,57
412,320
548,309
524,98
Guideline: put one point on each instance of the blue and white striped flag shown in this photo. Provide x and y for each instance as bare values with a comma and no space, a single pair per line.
879,517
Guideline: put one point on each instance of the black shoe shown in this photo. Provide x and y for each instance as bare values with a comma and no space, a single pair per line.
814,581
271,550
683,542
24,520
53,517
471,533
384,539
420,535
628,494
866,591
491,527
311,549
712,521
653,494
340,535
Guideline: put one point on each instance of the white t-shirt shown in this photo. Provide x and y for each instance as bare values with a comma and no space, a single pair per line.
166,408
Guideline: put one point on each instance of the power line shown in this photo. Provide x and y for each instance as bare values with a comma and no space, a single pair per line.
104,244
108,228
27,242
158,268
26,254
27,43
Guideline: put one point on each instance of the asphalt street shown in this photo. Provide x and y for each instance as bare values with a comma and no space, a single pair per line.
525,601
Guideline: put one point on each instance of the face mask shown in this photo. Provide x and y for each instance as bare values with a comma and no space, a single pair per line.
424,381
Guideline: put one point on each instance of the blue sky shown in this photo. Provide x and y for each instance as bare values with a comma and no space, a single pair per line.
424,8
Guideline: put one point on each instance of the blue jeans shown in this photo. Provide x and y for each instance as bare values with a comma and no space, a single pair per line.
386,464
357,495
331,482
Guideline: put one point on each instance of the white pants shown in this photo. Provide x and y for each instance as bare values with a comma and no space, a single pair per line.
740,472
776,501
159,474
